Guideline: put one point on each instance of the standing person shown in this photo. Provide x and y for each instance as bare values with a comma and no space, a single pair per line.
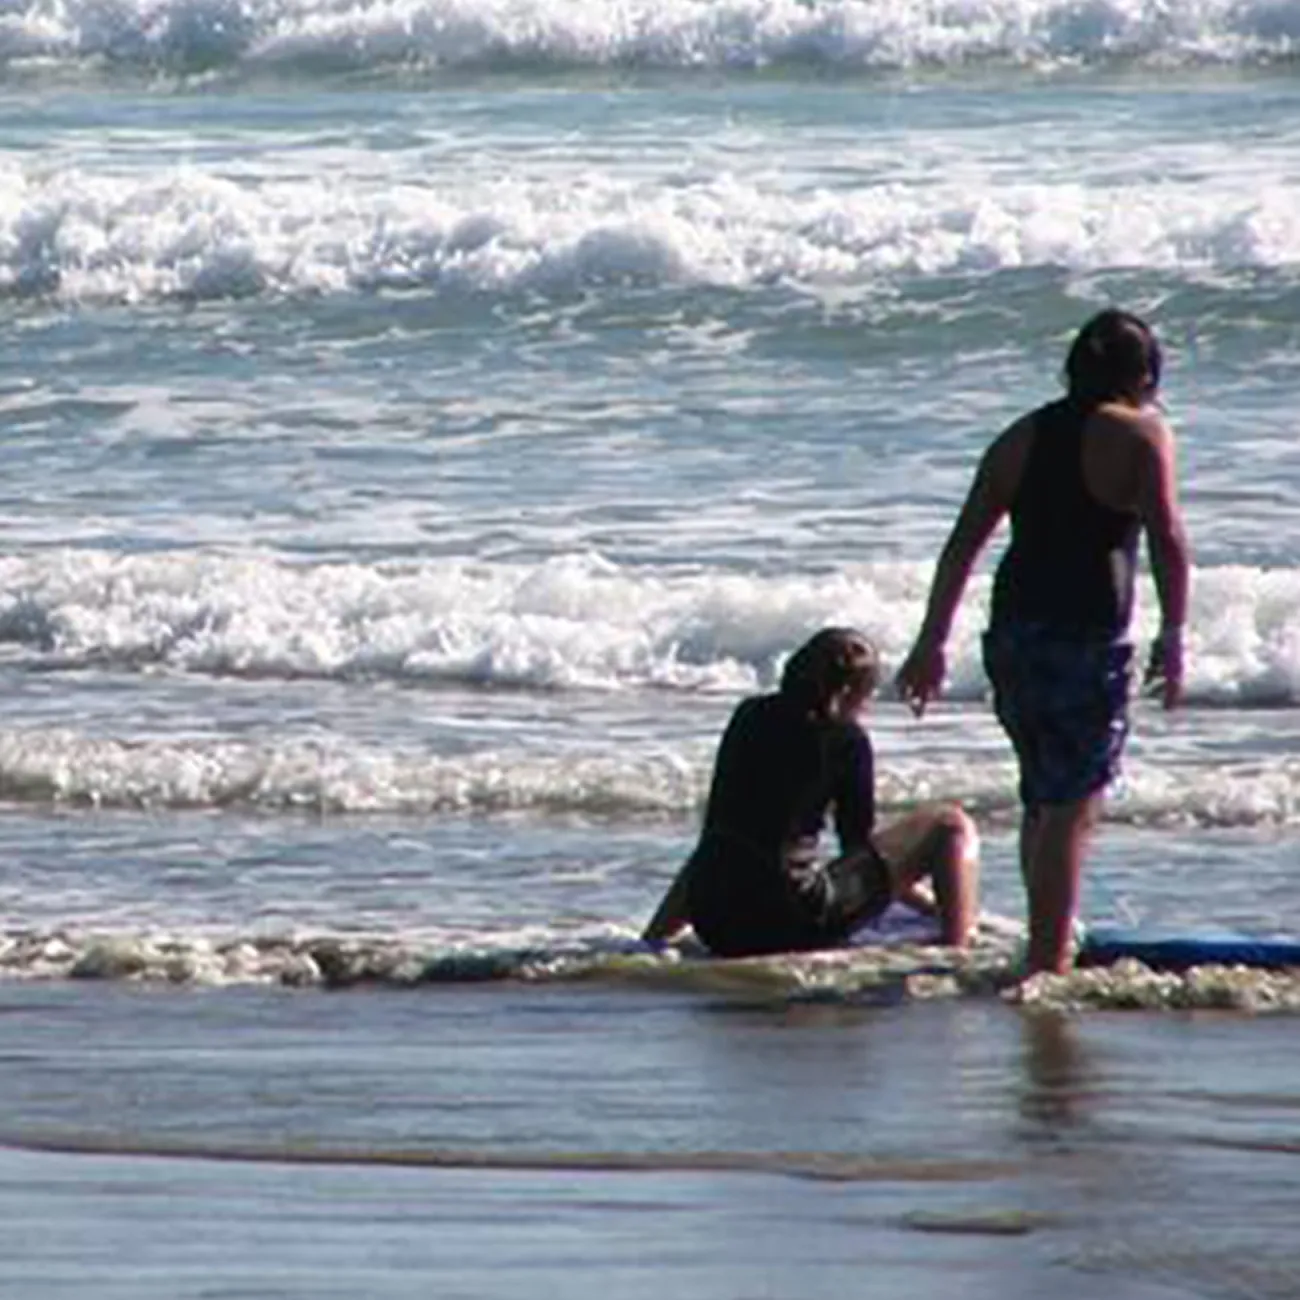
1081,479
754,883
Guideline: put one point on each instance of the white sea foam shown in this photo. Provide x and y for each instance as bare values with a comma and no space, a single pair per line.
83,235
64,767
991,968
572,621
187,957
190,35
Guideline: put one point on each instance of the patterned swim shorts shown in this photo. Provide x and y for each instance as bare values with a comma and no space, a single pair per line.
1063,701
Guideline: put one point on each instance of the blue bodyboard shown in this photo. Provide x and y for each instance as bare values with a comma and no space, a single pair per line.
1160,950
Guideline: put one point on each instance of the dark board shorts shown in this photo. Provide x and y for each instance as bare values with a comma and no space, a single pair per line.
1063,701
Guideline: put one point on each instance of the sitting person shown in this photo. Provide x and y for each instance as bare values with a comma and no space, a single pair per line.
754,883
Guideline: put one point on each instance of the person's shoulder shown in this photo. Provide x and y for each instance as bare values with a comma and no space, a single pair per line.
1136,437
764,724
1004,462
1146,424
760,702
754,708
1020,431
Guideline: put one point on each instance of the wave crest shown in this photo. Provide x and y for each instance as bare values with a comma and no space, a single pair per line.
62,768
575,621
189,36
185,235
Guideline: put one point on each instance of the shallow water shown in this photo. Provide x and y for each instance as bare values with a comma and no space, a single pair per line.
290,1143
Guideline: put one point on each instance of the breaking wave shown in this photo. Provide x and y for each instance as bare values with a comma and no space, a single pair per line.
846,36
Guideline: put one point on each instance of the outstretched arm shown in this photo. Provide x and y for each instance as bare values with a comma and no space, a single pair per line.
988,500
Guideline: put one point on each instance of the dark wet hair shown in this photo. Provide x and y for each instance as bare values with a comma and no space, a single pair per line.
1116,354
827,663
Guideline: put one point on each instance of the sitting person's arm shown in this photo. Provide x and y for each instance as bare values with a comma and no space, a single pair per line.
670,916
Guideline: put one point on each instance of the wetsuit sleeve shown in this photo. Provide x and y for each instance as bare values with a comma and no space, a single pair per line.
855,795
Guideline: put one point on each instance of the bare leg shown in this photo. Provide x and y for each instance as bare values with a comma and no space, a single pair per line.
1062,835
1030,821
939,844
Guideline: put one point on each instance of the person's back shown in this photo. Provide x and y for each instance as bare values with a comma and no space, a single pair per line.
1072,560
778,769
755,885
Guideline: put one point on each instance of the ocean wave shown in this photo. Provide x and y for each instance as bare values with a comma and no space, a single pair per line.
314,36
336,776
572,622
63,768
183,235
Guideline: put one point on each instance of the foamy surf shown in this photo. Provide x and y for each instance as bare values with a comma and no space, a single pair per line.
91,235
882,962
575,621
60,768
895,970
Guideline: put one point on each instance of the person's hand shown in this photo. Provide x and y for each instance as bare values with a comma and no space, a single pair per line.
1164,671
659,934
920,678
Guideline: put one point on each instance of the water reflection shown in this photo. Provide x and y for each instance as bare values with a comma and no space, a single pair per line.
1058,1081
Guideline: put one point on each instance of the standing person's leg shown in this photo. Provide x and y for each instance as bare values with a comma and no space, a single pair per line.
1030,823
939,845
1062,834
1064,706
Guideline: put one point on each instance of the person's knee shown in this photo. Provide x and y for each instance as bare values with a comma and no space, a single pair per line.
954,872
1069,818
960,834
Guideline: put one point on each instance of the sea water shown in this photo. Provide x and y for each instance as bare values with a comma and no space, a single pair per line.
422,422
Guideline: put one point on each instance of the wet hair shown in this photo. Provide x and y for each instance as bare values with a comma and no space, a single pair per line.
830,661
1114,355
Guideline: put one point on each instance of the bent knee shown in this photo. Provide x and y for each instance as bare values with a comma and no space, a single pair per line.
958,827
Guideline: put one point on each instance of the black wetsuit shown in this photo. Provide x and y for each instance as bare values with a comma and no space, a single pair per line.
755,883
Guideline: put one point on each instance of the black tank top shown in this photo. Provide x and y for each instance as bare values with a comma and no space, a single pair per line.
1072,561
